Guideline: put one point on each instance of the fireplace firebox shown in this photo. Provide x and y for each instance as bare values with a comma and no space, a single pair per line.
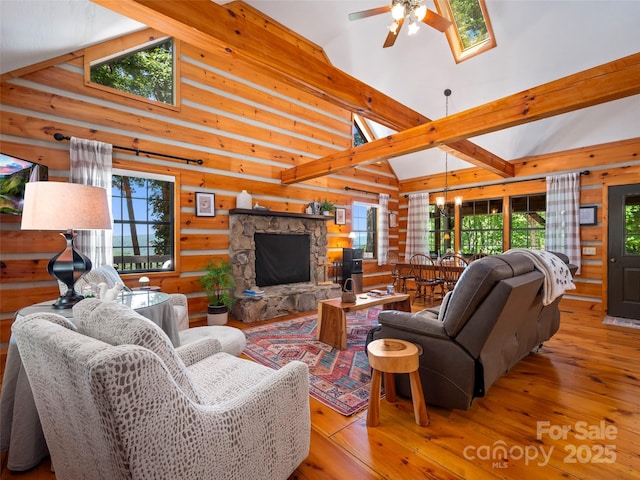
282,258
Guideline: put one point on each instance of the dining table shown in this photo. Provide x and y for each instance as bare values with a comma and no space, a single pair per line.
408,271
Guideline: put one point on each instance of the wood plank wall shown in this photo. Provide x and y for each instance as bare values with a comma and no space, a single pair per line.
610,164
244,125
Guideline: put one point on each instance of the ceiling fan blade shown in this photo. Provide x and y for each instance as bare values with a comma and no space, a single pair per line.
391,37
369,13
436,21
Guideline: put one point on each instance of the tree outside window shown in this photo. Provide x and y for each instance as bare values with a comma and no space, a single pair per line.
148,73
528,219
143,224
632,225
358,136
365,227
481,227
469,21
441,231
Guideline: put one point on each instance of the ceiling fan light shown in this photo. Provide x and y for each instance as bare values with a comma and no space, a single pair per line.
413,28
393,28
397,12
420,12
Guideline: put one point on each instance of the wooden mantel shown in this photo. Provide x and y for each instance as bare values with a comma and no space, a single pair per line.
269,213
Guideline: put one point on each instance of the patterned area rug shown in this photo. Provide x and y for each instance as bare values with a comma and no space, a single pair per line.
621,322
339,379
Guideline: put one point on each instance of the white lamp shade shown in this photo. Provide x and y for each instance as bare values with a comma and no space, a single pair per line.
65,206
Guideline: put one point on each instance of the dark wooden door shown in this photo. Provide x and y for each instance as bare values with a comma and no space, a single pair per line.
624,252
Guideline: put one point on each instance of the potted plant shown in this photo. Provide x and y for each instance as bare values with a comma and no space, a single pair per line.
326,207
218,284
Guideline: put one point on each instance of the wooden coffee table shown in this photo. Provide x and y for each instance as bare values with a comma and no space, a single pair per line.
332,315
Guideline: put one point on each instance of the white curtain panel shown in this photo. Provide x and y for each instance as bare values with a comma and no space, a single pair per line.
417,225
91,165
383,228
562,231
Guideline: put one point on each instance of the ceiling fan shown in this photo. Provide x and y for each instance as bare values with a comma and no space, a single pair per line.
414,11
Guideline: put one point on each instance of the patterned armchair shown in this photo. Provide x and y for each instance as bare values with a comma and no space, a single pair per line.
232,339
109,275
117,401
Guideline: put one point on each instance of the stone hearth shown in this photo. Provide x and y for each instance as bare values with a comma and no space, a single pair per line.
284,299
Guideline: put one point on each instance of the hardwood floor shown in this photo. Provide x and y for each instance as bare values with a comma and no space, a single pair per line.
570,411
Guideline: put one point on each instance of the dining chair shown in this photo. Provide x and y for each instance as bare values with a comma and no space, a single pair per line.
477,256
451,267
392,260
426,275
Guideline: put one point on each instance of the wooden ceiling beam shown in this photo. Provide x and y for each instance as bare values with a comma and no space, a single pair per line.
611,81
215,28
535,167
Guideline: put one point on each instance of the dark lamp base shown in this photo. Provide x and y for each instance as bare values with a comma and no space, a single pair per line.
68,267
68,300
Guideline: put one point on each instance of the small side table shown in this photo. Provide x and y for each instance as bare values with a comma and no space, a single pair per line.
389,356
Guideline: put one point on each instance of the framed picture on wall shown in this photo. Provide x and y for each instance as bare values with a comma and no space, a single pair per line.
341,216
589,215
393,220
205,204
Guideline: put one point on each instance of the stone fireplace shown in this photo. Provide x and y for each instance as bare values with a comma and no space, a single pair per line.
285,298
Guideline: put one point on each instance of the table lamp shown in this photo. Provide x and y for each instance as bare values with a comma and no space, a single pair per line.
67,207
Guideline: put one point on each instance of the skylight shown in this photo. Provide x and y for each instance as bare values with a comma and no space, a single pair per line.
471,32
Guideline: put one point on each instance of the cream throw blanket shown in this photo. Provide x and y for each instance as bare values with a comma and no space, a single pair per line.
557,276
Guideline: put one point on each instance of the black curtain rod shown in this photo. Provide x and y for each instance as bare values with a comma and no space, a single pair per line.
584,172
359,190
60,137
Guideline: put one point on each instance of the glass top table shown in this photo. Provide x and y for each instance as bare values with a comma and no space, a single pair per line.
154,305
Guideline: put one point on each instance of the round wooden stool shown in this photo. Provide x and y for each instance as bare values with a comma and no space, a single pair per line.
389,356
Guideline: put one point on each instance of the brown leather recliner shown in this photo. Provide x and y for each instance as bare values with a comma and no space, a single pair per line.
491,320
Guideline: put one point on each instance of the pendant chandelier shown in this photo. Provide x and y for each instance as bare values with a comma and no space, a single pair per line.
412,10
441,202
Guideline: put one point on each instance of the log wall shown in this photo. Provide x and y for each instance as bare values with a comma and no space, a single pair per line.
246,127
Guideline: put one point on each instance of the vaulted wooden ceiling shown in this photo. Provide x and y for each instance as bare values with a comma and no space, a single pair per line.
412,74
214,27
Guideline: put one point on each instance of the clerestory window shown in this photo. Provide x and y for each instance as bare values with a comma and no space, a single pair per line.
145,71
361,131
358,136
